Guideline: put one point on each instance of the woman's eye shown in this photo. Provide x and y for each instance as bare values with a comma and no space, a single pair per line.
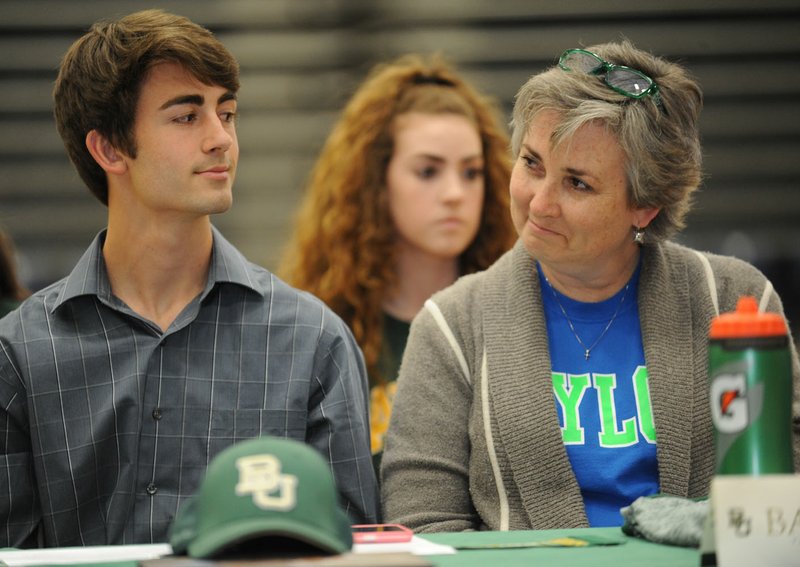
532,164
529,161
228,116
580,185
427,172
473,173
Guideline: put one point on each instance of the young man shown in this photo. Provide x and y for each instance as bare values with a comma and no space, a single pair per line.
119,383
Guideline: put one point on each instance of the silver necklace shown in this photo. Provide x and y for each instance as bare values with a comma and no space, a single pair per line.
588,350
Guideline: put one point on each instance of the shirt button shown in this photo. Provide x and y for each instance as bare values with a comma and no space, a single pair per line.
157,413
151,489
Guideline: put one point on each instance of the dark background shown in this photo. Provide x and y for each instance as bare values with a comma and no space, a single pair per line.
301,59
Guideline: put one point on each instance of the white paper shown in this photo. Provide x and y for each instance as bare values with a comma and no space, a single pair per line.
417,546
89,554
108,553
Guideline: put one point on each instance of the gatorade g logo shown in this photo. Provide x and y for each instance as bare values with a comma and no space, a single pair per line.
729,403
260,475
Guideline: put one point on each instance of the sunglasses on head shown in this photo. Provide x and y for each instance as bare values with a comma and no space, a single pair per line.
621,79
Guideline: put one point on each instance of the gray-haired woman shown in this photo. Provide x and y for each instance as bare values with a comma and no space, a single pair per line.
570,378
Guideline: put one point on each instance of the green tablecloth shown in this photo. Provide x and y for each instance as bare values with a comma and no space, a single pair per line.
631,552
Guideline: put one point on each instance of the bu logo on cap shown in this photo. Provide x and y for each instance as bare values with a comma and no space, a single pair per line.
260,475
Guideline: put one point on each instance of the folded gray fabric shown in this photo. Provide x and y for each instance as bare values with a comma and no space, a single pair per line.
666,519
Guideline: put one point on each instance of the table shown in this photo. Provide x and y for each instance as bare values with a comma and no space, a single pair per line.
632,552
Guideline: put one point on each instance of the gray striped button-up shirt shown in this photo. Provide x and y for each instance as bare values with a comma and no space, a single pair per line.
107,424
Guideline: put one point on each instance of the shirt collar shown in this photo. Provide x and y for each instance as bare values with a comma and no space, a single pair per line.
228,265
90,276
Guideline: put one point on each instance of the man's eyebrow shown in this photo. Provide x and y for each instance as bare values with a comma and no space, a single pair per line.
230,95
196,100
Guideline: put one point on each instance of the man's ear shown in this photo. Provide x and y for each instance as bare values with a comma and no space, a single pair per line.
105,154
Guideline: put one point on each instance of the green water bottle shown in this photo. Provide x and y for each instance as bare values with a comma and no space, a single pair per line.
750,374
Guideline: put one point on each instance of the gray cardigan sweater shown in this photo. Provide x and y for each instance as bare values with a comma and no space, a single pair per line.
474,440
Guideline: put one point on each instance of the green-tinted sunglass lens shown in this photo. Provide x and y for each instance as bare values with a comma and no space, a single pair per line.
629,81
581,61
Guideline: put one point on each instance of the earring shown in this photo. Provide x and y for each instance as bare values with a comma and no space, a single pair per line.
638,235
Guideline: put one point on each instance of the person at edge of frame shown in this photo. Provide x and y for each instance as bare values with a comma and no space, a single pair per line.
12,290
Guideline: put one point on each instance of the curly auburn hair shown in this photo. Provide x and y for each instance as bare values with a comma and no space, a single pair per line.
10,286
342,246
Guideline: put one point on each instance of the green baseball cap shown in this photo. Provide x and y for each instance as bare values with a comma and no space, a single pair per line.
267,487
183,528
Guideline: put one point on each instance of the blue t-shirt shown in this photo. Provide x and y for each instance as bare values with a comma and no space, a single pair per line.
603,402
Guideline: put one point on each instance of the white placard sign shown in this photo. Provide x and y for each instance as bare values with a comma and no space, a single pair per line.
756,520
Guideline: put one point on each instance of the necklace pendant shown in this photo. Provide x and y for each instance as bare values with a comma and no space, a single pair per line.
587,351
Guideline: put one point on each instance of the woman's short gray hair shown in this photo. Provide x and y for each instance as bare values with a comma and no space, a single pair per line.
659,135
